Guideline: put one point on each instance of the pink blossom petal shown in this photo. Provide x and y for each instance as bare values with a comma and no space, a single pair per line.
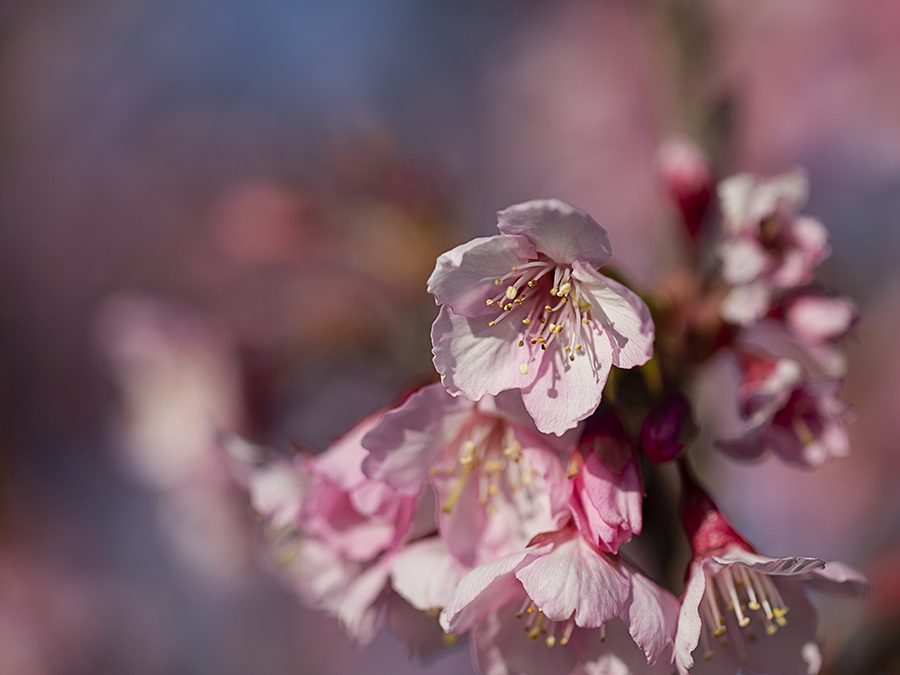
463,278
408,439
611,501
560,231
771,566
627,324
745,304
342,462
816,318
743,260
575,579
838,578
651,616
487,589
565,392
425,574
617,654
689,622
276,492
362,605
475,359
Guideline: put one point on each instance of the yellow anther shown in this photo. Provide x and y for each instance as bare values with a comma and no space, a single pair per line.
585,321
531,284
564,289
514,268
548,308
578,348
489,302
523,367
507,307
551,640
491,323
497,282
521,343
526,321
559,328
771,629
552,326
512,292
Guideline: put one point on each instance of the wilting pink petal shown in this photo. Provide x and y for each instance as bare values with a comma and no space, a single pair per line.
607,491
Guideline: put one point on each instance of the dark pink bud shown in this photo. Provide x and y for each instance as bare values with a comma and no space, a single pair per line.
605,436
688,179
668,429
704,524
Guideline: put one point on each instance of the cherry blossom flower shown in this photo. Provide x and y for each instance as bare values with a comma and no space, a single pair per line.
766,246
801,421
807,326
607,488
565,593
744,612
498,481
346,544
527,309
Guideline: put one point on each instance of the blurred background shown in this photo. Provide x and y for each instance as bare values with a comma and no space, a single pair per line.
223,213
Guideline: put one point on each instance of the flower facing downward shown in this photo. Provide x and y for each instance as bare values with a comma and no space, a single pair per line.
561,604
498,481
743,612
766,246
802,422
526,309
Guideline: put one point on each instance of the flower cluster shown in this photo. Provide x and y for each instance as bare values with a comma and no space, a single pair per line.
499,503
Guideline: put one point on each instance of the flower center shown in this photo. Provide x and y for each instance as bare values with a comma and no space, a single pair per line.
741,591
490,455
547,301
537,625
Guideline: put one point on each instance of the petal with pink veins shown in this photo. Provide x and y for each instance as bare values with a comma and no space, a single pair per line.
475,359
560,231
463,278
575,579
408,439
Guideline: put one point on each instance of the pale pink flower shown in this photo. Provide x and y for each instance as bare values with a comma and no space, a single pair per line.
801,421
498,481
354,514
564,592
527,309
766,246
806,326
743,612
607,488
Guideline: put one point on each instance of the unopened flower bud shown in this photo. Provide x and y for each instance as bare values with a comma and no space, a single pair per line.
668,429
688,179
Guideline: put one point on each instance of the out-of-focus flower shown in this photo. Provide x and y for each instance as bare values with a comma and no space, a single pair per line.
801,421
688,179
499,482
766,245
747,612
607,488
179,381
564,589
807,326
348,544
668,429
527,310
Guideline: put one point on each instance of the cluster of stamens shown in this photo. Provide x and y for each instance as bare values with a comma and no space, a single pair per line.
546,299
738,590
537,625
491,456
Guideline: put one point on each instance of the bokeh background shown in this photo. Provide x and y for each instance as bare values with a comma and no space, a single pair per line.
217,212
